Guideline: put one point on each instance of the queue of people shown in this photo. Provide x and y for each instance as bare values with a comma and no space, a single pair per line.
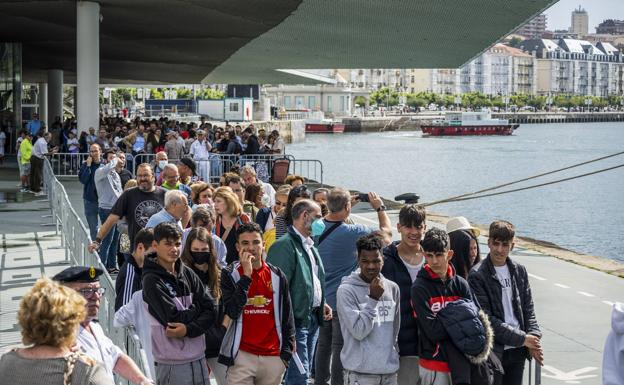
257,284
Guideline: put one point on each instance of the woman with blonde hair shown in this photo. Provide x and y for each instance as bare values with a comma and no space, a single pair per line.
200,254
50,315
229,217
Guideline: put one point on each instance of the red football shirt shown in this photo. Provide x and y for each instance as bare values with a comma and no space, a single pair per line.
259,332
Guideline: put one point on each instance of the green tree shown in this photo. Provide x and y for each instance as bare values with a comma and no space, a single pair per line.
210,94
360,100
515,41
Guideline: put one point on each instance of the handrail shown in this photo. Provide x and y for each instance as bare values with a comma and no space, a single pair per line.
75,240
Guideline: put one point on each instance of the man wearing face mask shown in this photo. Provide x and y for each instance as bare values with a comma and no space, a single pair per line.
296,255
159,164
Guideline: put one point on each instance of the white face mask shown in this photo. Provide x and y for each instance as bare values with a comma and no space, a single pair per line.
162,164
265,200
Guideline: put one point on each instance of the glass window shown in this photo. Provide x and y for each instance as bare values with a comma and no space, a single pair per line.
329,104
299,102
312,102
287,102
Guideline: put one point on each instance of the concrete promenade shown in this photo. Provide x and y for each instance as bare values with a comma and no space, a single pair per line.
573,303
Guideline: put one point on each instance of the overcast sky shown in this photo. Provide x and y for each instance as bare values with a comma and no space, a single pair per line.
559,15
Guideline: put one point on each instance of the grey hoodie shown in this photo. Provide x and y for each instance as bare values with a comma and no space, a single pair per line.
107,184
369,328
613,358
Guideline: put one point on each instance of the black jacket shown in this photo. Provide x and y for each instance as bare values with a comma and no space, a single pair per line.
461,321
488,290
429,295
128,281
253,147
394,269
215,333
263,217
162,291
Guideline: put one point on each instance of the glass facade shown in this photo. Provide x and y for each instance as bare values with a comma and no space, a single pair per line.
10,92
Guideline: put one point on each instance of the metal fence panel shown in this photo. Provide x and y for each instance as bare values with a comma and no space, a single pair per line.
75,239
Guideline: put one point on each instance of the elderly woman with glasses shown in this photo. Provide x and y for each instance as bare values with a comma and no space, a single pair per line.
49,316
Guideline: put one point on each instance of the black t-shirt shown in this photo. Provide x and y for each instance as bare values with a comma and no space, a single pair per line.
137,207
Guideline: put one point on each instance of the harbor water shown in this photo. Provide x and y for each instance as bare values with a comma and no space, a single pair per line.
584,215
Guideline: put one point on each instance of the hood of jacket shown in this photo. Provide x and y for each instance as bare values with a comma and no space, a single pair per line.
430,275
151,266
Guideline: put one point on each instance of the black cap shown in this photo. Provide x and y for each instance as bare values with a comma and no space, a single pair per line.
79,274
188,162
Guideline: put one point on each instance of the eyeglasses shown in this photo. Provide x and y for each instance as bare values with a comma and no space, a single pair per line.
89,291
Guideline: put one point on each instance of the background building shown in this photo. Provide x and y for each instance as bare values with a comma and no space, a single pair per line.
580,22
534,28
612,27
576,67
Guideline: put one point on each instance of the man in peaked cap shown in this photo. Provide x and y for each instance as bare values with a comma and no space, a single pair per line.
91,340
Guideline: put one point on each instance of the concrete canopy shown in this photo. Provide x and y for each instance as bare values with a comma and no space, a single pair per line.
244,42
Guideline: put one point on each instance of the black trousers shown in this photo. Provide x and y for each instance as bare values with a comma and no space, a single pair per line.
36,173
513,361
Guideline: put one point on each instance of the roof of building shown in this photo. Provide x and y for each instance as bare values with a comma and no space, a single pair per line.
245,42
511,51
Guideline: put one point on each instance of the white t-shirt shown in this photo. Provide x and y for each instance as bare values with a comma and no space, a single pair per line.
502,272
413,269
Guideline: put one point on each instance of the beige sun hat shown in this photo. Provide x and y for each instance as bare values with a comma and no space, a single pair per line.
461,223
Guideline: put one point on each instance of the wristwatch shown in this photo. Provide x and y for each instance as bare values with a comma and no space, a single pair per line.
381,208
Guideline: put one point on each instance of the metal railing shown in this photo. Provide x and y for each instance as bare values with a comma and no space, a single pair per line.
311,169
75,240
210,169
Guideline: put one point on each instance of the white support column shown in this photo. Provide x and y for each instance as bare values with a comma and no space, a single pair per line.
88,64
55,95
43,104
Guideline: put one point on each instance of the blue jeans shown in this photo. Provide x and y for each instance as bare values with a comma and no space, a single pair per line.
306,345
91,212
108,248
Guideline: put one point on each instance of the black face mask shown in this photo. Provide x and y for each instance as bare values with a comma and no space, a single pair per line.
200,257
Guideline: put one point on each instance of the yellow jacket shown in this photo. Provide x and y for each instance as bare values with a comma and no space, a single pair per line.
25,151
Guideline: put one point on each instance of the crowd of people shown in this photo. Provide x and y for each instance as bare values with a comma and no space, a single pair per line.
262,284
164,138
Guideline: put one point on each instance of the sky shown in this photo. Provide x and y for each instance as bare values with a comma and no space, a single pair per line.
559,15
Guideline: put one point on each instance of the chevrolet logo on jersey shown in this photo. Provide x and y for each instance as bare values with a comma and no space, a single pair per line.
258,301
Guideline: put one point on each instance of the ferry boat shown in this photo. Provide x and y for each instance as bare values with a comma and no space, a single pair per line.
469,123
324,127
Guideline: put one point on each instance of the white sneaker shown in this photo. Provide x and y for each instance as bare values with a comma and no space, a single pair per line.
40,193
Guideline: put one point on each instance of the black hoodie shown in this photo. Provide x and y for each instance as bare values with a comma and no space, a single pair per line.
180,298
429,295
394,269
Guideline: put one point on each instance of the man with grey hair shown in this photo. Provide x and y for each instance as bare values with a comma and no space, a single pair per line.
250,177
159,163
337,249
296,255
171,180
176,211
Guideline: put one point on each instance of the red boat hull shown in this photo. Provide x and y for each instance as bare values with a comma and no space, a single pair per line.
503,129
331,128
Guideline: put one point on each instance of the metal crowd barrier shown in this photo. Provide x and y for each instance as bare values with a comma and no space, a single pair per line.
311,169
210,169
75,240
